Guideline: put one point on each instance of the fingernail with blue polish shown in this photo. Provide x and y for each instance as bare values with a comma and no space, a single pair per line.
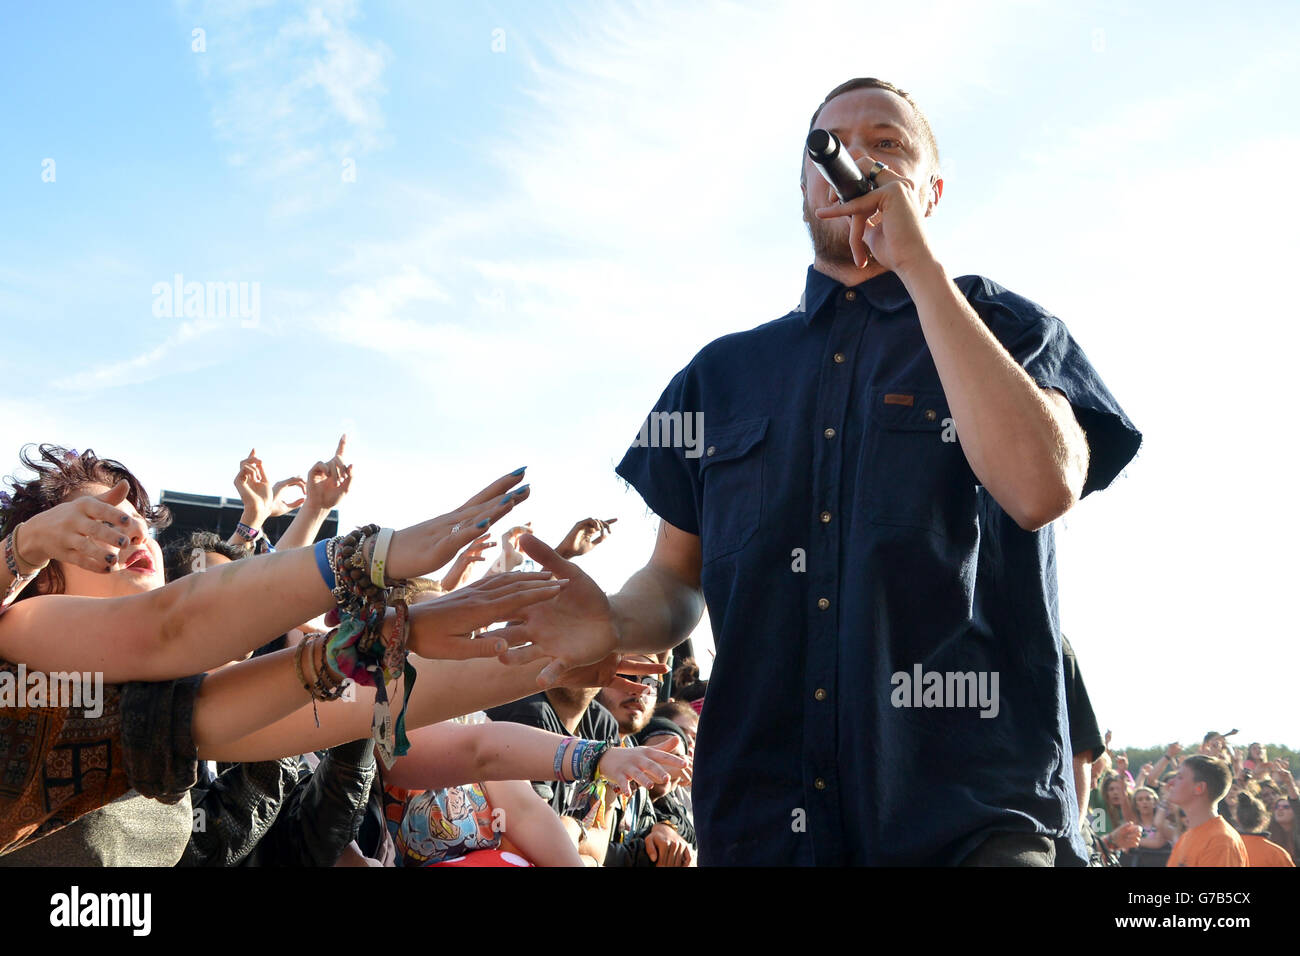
518,471
506,499
482,524
520,491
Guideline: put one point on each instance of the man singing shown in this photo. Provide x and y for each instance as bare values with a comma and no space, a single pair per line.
869,524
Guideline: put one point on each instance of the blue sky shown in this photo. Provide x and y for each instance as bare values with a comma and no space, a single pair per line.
530,247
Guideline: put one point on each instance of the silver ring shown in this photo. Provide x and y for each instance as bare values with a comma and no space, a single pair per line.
455,527
876,167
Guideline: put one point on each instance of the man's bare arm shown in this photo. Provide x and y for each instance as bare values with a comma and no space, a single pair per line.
660,605
1022,442
655,610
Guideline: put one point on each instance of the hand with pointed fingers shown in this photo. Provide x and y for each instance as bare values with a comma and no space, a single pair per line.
443,628
584,536
465,561
278,505
425,547
89,532
254,490
576,628
329,481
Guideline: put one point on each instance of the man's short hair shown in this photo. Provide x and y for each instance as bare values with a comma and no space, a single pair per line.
871,83
1216,774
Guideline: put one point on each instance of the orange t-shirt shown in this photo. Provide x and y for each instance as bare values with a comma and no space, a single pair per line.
1213,843
1264,852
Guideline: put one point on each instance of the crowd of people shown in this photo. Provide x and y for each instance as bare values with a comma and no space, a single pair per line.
347,702
1221,806
310,703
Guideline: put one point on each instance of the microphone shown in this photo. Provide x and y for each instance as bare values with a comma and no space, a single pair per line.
836,165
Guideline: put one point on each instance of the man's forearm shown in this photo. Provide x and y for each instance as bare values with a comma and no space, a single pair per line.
1023,446
655,611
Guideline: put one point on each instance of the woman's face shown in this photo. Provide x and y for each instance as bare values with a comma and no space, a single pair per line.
1257,752
1283,812
139,566
1114,793
1146,803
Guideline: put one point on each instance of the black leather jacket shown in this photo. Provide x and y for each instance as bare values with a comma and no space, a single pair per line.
280,813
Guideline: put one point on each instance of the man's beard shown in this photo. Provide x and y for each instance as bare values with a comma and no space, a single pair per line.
830,237
636,723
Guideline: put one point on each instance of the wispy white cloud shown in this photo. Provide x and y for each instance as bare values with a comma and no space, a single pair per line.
146,366
294,87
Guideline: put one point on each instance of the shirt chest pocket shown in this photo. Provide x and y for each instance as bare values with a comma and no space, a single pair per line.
915,469
731,472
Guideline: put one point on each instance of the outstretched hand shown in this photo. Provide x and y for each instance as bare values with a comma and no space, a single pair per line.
425,547
575,629
443,628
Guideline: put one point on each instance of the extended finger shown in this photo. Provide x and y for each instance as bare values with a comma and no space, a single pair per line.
343,444
494,490
865,205
521,654
545,555
100,510
88,553
858,244
501,579
108,535
461,648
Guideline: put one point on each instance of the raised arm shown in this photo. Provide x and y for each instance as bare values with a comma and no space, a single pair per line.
204,620
328,482
1022,441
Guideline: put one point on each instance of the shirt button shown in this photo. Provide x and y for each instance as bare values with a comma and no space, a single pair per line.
839,358
850,296
819,783
930,415
819,694
711,450
829,433
823,603
826,517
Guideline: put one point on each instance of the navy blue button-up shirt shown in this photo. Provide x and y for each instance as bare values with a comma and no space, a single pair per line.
888,681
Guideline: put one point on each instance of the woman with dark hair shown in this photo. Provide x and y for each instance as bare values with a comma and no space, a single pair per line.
1282,828
121,625
1260,850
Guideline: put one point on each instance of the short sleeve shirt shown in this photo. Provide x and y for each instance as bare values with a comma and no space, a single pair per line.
888,684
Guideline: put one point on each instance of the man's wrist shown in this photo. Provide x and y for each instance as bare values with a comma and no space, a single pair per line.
921,272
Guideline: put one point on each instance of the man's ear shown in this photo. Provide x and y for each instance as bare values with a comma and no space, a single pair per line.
936,192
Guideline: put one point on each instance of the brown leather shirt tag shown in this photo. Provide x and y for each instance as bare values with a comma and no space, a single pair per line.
895,399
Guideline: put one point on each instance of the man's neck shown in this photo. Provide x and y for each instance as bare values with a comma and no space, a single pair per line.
569,710
1196,815
846,273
